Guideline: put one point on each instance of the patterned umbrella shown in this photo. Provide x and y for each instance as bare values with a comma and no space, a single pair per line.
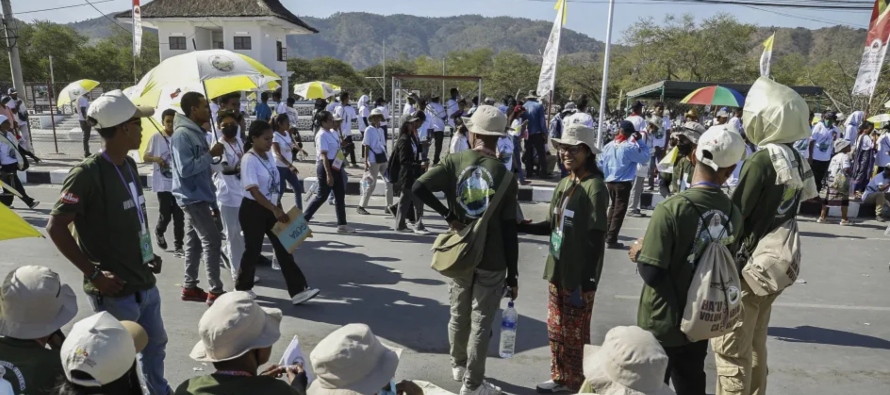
715,95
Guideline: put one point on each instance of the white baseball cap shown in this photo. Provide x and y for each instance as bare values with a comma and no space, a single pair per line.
103,348
114,108
720,147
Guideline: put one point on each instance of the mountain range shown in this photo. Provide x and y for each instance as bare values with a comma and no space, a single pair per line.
357,38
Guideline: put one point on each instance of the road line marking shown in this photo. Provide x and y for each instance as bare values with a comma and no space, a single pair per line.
798,305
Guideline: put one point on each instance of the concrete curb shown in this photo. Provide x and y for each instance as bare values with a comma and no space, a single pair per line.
527,194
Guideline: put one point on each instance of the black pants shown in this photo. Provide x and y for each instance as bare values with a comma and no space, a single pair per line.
12,170
619,194
349,150
686,368
664,184
438,137
339,190
536,147
820,169
653,171
409,207
86,128
256,223
169,210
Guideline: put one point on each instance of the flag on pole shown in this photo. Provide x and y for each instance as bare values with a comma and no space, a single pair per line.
137,28
767,55
547,79
875,50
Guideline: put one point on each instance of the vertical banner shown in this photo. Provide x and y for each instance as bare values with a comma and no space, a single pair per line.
547,79
767,55
137,28
875,50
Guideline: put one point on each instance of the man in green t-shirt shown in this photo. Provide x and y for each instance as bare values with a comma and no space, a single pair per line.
35,305
111,240
775,117
470,180
671,251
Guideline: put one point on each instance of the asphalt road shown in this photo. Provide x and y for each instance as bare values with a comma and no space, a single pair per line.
830,335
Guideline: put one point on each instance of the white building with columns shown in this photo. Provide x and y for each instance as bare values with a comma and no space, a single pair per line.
256,28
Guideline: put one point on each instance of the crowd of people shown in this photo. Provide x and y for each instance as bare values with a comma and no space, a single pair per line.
736,182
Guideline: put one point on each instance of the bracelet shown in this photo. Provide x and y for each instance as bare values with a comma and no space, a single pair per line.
95,274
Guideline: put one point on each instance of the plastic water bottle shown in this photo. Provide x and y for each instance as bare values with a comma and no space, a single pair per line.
365,185
508,331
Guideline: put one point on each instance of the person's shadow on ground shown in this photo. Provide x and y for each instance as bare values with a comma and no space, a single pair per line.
812,334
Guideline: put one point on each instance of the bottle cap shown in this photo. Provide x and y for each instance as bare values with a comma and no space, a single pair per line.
510,304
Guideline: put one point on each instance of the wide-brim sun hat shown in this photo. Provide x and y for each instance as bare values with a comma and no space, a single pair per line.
233,326
376,113
577,134
531,95
691,130
630,362
840,144
487,121
34,303
352,361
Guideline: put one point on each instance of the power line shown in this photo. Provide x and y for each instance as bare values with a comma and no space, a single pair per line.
826,5
109,18
826,21
61,7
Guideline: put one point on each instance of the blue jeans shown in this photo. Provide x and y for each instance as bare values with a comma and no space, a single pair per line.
338,191
295,184
143,308
517,154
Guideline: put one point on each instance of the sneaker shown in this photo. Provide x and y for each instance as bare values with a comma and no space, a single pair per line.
33,204
389,210
179,252
552,387
252,295
615,246
485,388
421,230
458,373
194,294
362,211
636,214
304,296
162,242
256,279
344,229
881,219
213,296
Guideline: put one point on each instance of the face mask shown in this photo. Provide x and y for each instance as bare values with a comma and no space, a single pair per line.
684,149
829,122
230,131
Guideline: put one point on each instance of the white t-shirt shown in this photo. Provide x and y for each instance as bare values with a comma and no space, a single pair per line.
824,138
459,143
348,115
214,109
363,112
451,109
332,106
408,109
260,173
327,140
516,128
851,133
82,102
385,115
8,153
282,108
578,117
866,143
638,122
883,147
435,113
505,148
803,147
376,142
161,178
285,144
229,191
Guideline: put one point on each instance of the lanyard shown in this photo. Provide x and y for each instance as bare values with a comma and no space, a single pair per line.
237,152
263,162
565,200
127,187
234,373
707,184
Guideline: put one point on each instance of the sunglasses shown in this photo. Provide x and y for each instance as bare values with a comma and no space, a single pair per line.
571,149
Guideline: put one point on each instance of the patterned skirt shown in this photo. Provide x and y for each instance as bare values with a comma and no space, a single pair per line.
568,325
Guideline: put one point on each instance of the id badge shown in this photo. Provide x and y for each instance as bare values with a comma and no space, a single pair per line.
148,254
338,160
555,243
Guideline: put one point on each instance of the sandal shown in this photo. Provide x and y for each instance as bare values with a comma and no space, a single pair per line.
845,223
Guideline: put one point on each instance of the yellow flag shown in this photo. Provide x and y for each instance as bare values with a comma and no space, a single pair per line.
561,7
15,227
767,55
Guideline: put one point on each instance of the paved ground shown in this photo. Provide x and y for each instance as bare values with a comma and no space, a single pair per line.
828,336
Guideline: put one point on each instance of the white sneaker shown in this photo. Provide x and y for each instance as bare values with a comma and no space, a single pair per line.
457,373
485,389
420,230
552,387
344,229
304,296
256,279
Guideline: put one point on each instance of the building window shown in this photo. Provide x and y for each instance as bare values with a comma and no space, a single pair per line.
282,52
177,43
242,42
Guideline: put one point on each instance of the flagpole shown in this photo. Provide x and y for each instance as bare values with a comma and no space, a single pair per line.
604,91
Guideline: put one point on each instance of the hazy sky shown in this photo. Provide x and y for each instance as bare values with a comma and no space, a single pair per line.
588,17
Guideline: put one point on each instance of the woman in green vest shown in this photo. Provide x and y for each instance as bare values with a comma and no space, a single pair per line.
576,225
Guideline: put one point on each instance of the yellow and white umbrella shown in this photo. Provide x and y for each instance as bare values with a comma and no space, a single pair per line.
880,118
217,71
316,90
74,90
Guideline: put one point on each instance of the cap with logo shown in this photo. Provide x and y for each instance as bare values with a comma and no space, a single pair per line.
720,147
114,108
101,347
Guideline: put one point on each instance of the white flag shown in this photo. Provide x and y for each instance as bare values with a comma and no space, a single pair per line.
767,55
547,80
137,28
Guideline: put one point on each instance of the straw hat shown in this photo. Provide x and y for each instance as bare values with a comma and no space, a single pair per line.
351,361
630,362
576,134
234,325
488,121
34,303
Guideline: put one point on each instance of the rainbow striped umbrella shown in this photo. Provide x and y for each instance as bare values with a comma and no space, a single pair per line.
715,95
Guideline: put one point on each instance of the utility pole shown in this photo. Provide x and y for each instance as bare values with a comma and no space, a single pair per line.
12,46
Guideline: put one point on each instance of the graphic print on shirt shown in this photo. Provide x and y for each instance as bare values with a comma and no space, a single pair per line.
6,387
718,228
474,191
789,200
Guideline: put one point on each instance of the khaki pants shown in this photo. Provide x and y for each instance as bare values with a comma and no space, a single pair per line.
741,355
474,302
879,199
